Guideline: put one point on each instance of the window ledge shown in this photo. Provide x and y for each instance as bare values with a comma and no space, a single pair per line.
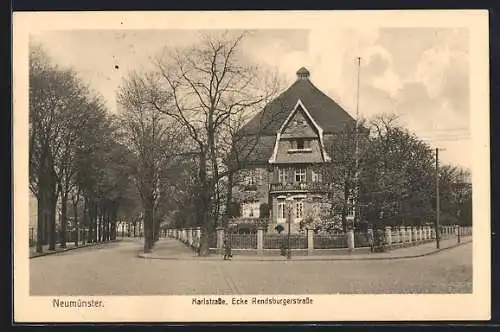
299,150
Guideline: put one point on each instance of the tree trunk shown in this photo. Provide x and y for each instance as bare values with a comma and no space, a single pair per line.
148,226
135,224
114,223
40,226
105,223
156,229
204,210
89,217
206,228
229,198
64,219
52,215
77,224
95,225
85,222
99,224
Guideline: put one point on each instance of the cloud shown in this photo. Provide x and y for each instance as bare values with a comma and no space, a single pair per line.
421,74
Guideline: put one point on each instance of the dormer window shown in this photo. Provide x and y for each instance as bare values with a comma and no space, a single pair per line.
300,145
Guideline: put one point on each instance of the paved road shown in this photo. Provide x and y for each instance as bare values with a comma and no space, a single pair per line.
116,270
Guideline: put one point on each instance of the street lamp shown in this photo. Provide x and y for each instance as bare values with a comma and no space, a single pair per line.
290,207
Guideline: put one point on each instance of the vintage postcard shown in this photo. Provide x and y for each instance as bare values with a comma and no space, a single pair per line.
251,166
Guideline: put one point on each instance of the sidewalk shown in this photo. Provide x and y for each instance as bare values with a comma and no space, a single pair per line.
171,249
69,246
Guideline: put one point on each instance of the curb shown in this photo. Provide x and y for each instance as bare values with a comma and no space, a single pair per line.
196,258
55,252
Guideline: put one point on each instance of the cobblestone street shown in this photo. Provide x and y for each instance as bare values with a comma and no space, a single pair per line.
116,270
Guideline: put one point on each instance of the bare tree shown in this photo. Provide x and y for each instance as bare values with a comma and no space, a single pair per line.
209,90
210,93
154,140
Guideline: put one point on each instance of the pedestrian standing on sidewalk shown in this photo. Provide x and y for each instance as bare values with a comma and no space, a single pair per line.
227,248
371,241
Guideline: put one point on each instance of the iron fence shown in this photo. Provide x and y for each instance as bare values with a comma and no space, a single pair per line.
278,241
212,240
361,239
243,241
327,241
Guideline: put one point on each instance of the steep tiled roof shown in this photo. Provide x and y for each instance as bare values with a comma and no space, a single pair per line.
329,115
262,150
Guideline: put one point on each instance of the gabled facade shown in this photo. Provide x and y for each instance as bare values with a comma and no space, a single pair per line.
290,152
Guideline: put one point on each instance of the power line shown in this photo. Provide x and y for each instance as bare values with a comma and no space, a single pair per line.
445,129
443,139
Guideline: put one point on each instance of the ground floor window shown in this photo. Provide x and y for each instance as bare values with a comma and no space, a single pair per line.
299,210
281,211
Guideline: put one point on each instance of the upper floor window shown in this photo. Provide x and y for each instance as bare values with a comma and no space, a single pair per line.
253,178
316,176
283,175
300,175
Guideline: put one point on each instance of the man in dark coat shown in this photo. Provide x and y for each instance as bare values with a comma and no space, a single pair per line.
227,248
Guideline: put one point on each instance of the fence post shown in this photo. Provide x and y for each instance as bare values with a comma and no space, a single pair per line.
220,238
457,231
402,235
310,240
388,235
415,234
198,236
260,240
350,239
190,237
395,239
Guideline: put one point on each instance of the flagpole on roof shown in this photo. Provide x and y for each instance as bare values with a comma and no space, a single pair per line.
356,142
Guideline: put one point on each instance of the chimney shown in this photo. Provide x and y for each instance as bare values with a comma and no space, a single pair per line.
303,74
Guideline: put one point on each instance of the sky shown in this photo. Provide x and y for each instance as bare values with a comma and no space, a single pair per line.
420,74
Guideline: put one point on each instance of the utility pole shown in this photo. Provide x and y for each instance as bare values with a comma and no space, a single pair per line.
290,207
437,199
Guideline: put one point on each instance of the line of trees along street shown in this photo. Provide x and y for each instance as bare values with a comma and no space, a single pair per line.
75,159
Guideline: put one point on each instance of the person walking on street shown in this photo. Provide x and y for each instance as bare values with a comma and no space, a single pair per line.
227,248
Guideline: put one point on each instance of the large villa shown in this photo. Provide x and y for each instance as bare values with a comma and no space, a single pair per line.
282,174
